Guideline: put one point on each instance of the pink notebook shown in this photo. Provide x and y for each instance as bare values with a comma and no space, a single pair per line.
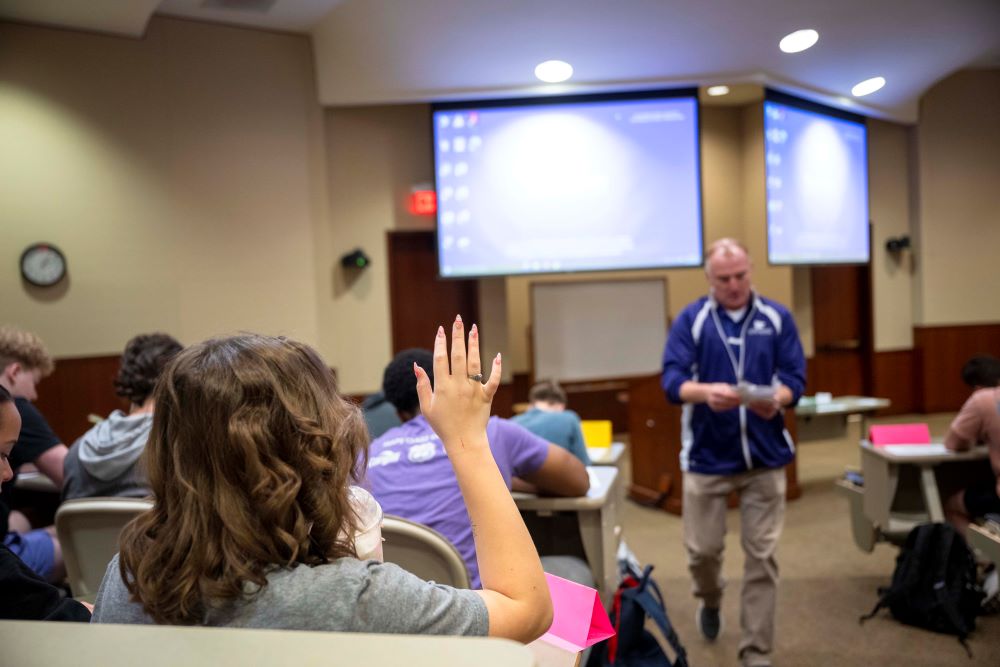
578,619
899,434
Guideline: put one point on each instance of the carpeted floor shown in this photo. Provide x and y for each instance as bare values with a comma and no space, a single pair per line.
827,582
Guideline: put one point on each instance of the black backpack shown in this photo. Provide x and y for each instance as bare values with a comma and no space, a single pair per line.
934,584
637,597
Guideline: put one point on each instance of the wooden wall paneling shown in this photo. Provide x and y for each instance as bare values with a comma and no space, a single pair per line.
941,351
606,399
654,446
419,300
894,377
78,388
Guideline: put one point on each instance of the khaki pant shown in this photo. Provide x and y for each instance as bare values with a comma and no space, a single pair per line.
762,513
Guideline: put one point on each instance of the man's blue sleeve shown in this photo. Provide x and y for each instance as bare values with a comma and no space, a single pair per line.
679,357
791,368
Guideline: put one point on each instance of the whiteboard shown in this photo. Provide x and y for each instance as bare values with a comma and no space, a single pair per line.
598,330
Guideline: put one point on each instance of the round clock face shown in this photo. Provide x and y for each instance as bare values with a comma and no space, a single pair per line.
43,265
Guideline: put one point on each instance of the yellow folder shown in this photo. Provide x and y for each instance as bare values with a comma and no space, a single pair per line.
596,432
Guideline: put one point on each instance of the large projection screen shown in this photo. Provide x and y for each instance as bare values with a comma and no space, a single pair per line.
816,160
565,184
598,330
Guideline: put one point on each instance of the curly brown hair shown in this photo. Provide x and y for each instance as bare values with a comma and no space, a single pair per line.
249,460
25,348
142,362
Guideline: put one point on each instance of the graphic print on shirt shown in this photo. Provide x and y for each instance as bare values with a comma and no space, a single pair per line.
760,328
421,453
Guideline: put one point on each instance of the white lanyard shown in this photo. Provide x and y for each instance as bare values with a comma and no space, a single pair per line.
737,364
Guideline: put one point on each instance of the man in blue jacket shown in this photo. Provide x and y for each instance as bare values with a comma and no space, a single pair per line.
734,359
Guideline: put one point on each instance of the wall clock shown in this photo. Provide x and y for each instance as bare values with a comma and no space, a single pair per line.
43,264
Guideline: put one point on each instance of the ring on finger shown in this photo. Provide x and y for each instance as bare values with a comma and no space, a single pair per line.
478,377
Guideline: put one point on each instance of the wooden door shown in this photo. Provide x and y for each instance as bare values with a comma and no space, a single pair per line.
419,301
842,331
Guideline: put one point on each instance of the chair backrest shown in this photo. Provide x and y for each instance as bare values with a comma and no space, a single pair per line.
88,530
423,551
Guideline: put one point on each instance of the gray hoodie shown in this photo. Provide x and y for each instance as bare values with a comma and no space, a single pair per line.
103,461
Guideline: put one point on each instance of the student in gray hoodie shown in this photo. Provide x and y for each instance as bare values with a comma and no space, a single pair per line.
103,461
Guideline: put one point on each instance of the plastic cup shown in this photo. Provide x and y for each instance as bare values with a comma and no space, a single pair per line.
368,539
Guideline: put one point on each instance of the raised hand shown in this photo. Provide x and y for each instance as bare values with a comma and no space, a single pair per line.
458,405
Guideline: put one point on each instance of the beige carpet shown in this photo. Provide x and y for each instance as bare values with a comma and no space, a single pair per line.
826,581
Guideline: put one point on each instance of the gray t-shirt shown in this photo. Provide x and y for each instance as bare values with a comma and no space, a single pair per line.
347,595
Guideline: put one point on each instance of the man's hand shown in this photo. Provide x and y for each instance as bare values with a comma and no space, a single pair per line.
766,409
721,397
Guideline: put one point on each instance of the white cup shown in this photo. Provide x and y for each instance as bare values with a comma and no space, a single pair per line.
368,539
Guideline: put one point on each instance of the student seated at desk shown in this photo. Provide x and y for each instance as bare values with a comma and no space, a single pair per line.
548,418
250,459
24,361
409,473
977,421
23,594
104,461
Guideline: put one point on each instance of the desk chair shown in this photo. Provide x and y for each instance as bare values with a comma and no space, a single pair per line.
423,551
88,530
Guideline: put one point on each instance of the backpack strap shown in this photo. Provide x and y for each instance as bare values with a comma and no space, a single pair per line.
649,597
940,573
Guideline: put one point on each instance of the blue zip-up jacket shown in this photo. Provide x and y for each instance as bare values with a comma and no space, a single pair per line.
705,345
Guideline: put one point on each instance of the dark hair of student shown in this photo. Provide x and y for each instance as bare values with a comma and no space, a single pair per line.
398,382
981,371
249,460
141,364
548,390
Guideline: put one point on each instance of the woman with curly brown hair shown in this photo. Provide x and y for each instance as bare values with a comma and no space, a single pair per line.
250,459
104,461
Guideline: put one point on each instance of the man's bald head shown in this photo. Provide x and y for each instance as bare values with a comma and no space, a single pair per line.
727,266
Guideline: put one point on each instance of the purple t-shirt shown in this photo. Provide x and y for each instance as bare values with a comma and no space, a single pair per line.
410,476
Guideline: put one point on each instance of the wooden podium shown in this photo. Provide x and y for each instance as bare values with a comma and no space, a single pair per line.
655,446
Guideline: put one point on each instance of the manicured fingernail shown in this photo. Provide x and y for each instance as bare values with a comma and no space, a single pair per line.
473,331
415,371
497,360
440,331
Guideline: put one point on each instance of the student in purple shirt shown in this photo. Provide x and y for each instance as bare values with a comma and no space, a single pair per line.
410,475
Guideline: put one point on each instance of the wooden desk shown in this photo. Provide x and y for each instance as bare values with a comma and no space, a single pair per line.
597,519
607,456
901,490
812,416
31,643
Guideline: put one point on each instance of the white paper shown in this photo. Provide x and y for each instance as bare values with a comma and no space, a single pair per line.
933,449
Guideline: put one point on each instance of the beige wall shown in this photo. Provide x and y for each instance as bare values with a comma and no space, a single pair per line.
958,144
175,173
374,156
196,187
889,175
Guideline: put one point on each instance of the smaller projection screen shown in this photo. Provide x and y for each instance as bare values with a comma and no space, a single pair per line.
561,184
817,183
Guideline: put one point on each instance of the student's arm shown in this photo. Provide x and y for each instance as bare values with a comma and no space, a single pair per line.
50,463
457,408
965,428
562,474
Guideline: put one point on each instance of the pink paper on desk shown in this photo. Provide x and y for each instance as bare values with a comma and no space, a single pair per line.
899,434
578,619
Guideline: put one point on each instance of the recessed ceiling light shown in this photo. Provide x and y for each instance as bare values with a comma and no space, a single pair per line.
800,40
715,91
868,86
554,71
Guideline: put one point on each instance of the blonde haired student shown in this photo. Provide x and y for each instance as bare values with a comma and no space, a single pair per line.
250,459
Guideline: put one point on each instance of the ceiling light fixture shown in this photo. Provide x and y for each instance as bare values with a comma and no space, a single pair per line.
868,86
554,71
715,91
800,40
